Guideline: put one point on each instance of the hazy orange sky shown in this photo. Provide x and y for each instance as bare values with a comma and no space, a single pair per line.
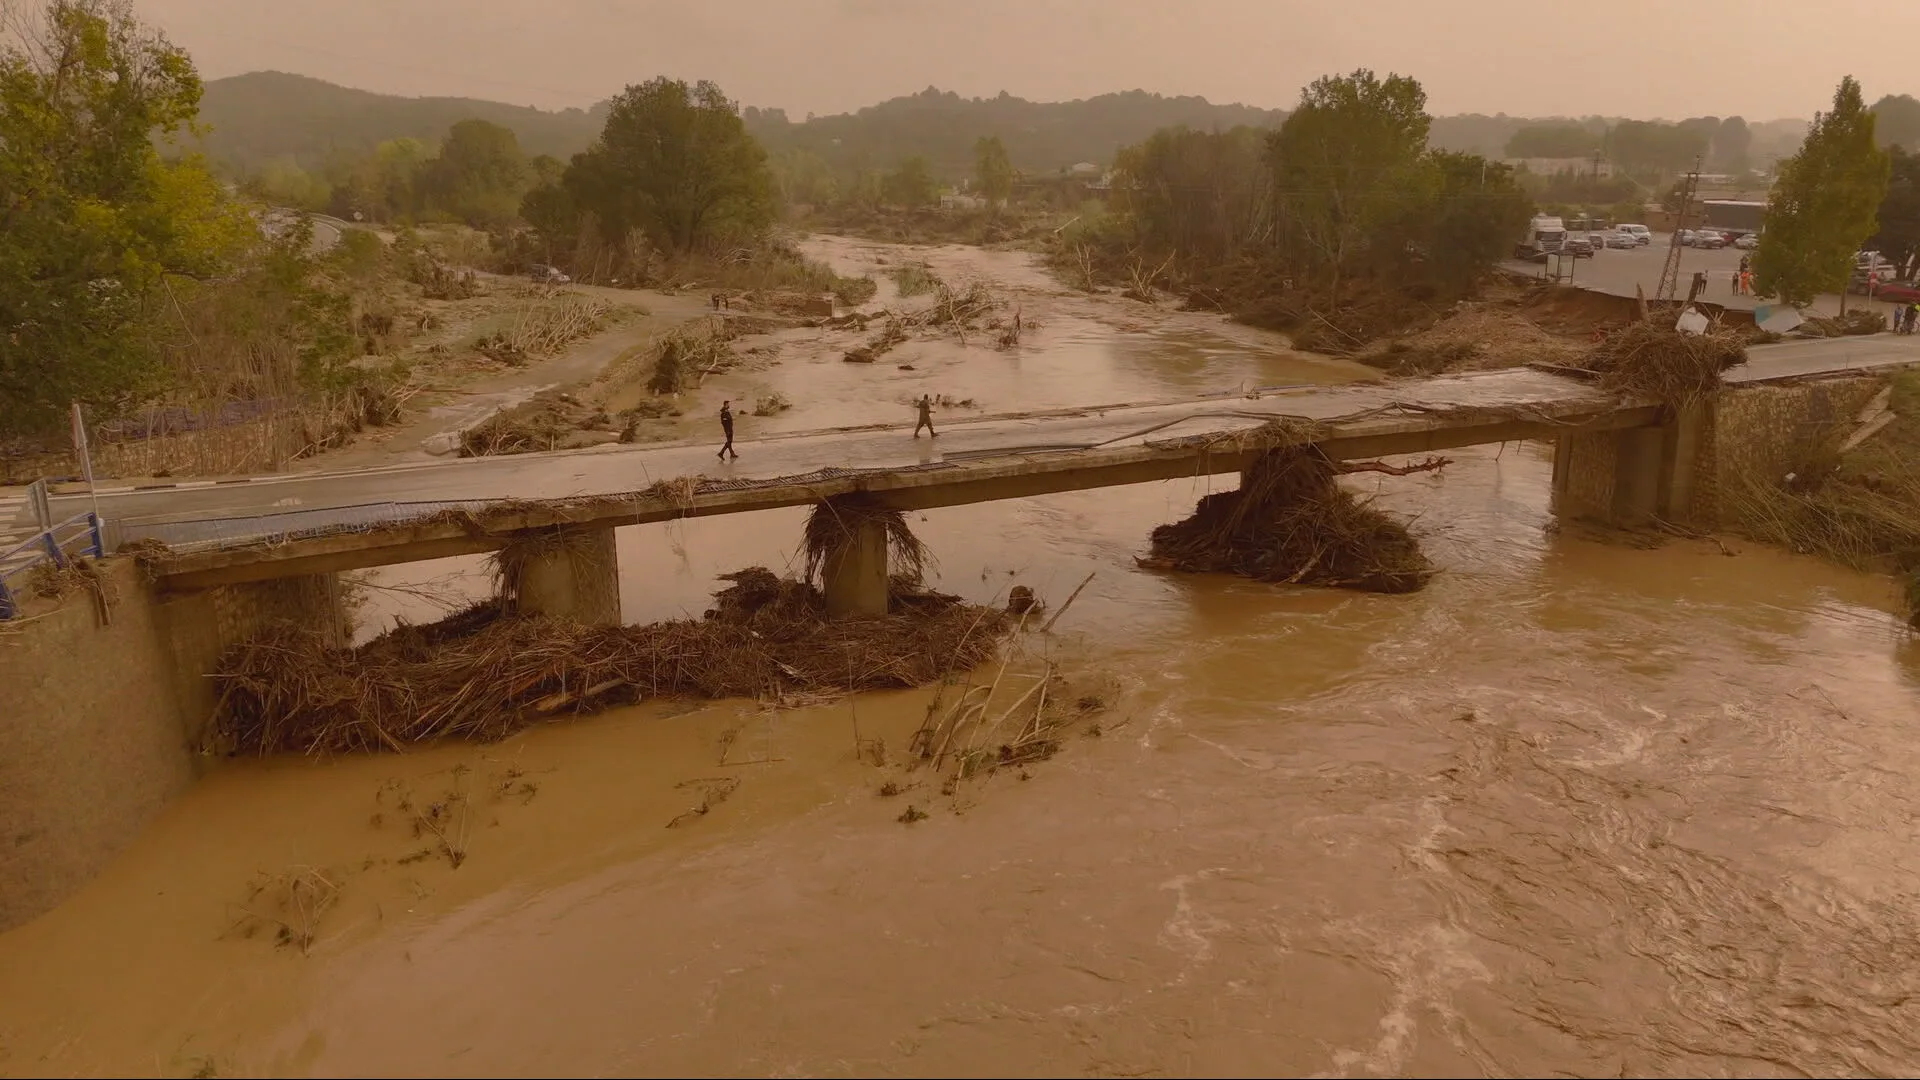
1759,58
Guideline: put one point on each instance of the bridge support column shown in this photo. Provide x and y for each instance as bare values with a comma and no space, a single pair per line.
855,573
570,572
1630,477
202,624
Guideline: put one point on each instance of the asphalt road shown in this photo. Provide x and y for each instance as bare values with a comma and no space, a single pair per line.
1617,270
273,504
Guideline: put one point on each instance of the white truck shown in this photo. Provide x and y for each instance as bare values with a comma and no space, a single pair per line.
1545,235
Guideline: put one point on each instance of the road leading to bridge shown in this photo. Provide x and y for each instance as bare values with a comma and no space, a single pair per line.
269,506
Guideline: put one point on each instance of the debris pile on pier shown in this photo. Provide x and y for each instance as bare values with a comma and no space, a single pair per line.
483,675
1291,521
1648,361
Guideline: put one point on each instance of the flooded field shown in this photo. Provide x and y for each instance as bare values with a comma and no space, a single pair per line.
1572,810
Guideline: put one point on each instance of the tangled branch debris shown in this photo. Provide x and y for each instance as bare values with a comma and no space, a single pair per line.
1291,521
954,311
482,675
1645,360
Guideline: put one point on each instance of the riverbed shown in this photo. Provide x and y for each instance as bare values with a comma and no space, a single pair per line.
1575,809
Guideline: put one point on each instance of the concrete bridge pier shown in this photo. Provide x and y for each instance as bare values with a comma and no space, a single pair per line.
854,575
569,572
1632,476
202,624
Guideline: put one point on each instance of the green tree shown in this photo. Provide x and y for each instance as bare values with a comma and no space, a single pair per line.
478,176
1476,207
1200,194
910,184
1553,141
1342,162
1896,121
1648,148
1733,146
1823,204
992,170
92,216
675,161
1898,237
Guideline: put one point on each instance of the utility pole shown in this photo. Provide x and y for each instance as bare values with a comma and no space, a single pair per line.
1670,273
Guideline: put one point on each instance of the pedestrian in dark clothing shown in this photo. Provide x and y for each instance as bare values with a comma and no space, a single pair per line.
715,298
726,425
926,418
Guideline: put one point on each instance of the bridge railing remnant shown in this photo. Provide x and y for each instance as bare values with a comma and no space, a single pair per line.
54,544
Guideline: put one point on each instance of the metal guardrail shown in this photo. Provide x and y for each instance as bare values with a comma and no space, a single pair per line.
54,543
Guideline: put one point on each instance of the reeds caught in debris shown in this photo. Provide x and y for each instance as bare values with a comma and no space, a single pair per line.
835,524
483,675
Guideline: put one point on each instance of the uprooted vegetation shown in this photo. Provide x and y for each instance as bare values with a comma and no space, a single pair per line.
959,312
486,672
1853,495
1291,521
1650,361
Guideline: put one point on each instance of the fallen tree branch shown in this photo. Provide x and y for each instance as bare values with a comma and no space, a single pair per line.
1432,464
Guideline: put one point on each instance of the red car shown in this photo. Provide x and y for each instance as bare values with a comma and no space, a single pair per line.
1897,292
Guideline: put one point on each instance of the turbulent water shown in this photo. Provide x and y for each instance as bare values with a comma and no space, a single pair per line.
1573,810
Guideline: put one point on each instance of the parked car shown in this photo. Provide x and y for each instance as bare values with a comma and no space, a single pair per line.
1640,233
1747,242
1707,240
1598,240
1898,292
548,275
1618,239
1577,246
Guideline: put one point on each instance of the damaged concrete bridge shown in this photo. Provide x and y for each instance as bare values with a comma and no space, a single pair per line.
1619,461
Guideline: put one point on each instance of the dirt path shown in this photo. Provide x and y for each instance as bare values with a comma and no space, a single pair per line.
453,411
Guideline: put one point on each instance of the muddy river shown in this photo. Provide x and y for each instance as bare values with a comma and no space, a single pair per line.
1574,810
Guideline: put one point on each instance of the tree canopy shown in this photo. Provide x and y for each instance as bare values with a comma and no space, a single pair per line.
1565,140
93,216
1343,161
1896,121
1823,204
676,162
993,169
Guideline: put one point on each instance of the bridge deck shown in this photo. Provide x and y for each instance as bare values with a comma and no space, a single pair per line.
279,526
1149,444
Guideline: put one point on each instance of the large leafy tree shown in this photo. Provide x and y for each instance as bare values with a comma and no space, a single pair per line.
1341,164
1898,237
674,161
478,176
1897,121
910,184
92,217
1824,203
992,170
1476,208
1553,141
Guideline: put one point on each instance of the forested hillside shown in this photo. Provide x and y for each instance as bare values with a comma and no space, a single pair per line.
267,117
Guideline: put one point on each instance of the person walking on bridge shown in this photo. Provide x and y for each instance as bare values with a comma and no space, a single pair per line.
726,427
925,405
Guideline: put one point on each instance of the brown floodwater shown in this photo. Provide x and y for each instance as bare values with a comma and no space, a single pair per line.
1574,810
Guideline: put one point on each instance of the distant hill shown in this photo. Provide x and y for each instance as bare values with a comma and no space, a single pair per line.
942,126
268,115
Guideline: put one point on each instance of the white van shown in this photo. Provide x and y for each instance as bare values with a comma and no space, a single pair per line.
1640,233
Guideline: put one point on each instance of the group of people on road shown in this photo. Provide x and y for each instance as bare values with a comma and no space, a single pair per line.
1743,277
925,420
